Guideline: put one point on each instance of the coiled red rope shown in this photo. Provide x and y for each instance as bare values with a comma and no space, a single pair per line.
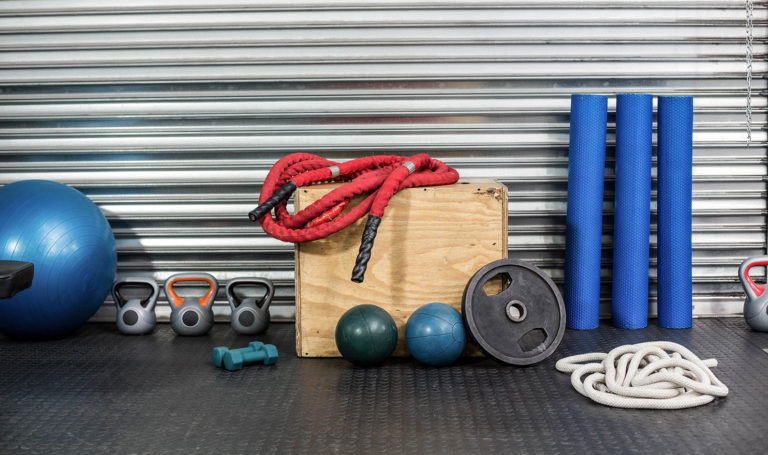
381,176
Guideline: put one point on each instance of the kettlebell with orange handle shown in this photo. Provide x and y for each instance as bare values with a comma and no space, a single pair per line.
191,316
756,305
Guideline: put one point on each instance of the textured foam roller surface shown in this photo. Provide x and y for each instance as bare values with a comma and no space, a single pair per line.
632,213
675,162
584,214
99,392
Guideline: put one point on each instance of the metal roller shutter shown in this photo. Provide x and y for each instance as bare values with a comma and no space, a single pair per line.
169,113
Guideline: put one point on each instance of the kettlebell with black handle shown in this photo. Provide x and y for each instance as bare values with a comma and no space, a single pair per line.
249,316
191,316
135,316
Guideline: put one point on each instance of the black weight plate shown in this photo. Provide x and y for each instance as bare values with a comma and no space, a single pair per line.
521,325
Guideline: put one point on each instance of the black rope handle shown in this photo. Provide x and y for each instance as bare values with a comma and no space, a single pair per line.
366,244
284,192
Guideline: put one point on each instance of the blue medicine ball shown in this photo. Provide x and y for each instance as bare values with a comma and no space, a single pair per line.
71,245
435,334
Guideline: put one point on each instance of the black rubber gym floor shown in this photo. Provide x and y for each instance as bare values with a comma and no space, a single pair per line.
97,391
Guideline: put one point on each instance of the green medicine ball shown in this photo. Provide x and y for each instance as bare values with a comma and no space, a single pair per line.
366,335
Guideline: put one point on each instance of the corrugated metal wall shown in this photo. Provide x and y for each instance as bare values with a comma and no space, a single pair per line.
169,113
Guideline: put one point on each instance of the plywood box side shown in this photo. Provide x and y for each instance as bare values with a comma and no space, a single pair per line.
430,242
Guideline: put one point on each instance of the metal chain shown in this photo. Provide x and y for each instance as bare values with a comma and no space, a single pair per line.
750,11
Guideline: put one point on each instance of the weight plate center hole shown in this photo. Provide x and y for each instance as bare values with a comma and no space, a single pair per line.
516,311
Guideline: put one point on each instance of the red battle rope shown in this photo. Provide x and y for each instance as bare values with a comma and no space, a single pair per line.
381,176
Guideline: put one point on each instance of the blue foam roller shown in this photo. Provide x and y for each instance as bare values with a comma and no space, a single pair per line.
584,217
675,163
632,216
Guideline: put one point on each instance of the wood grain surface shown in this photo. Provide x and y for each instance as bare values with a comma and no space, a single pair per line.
430,242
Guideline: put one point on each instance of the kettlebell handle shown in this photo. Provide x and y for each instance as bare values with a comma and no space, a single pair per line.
204,301
753,289
150,300
233,300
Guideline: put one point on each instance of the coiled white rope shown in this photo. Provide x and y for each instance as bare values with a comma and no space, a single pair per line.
652,375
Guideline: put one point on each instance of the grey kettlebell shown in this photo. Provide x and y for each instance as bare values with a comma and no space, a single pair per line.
756,304
135,316
249,317
191,316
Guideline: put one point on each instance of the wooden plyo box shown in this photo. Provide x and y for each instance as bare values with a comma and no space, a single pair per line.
430,242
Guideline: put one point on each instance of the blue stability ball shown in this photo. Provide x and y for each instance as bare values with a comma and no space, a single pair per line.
435,334
71,245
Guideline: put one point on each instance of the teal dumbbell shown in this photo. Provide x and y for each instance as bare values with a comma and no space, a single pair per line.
234,360
218,352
